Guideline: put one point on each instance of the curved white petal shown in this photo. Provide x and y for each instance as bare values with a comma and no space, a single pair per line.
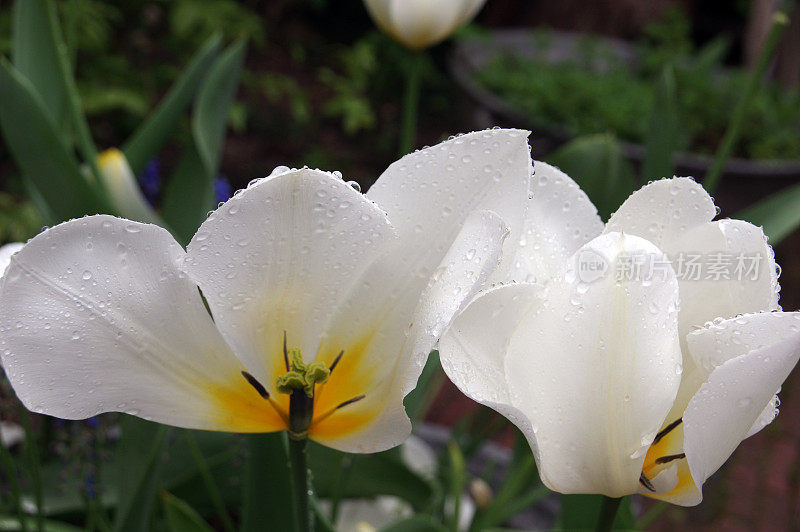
663,211
5,255
397,366
752,365
595,369
96,316
279,257
560,219
473,350
429,193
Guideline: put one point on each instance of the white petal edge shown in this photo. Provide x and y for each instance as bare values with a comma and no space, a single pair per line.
560,219
5,255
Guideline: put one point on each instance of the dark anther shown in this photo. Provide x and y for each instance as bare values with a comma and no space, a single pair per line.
670,458
669,428
285,352
644,481
257,385
350,402
336,361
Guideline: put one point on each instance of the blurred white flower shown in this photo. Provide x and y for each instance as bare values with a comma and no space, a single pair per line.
419,24
605,354
5,255
123,188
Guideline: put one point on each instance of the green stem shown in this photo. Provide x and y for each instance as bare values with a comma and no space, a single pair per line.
345,466
608,513
779,23
208,480
32,455
408,131
301,484
11,469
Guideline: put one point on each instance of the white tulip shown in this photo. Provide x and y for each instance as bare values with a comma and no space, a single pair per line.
300,272
419,24
123,188
622,382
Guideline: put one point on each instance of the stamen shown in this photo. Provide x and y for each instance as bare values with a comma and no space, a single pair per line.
337,407
255,384
670,458
265,394
285,352
336,360
644,481
669,428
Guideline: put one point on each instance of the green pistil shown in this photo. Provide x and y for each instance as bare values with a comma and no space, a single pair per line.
301,376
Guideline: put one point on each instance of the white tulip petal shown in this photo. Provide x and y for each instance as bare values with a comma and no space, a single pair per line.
663,211
5,255
279,257
731,402
96,316
429,193
560,219
596,368
766,417
396,366
473,349
123,188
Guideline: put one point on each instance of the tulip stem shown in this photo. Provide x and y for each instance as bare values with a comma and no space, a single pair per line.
608,513
301,484
408,132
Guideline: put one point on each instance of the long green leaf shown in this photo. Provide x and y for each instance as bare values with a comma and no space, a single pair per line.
597,164
213,105
181,517
13,524
189,194
418,523
138,472
145,142
34,143
778,214
267,496
430,380
662,129
35,56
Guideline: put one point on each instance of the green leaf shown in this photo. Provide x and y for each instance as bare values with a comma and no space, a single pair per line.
145,142
421,397
418,523
662,129
138,467
457,479
181,517
597,164
189,194
45,162
580,512
369,475
267,493
778,214
35,56
213,104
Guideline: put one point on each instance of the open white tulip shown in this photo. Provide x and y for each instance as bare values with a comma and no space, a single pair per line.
620,380
325,301
421,23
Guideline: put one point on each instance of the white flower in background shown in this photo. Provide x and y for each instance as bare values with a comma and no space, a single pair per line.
123,188
419,24
325,301
619,378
